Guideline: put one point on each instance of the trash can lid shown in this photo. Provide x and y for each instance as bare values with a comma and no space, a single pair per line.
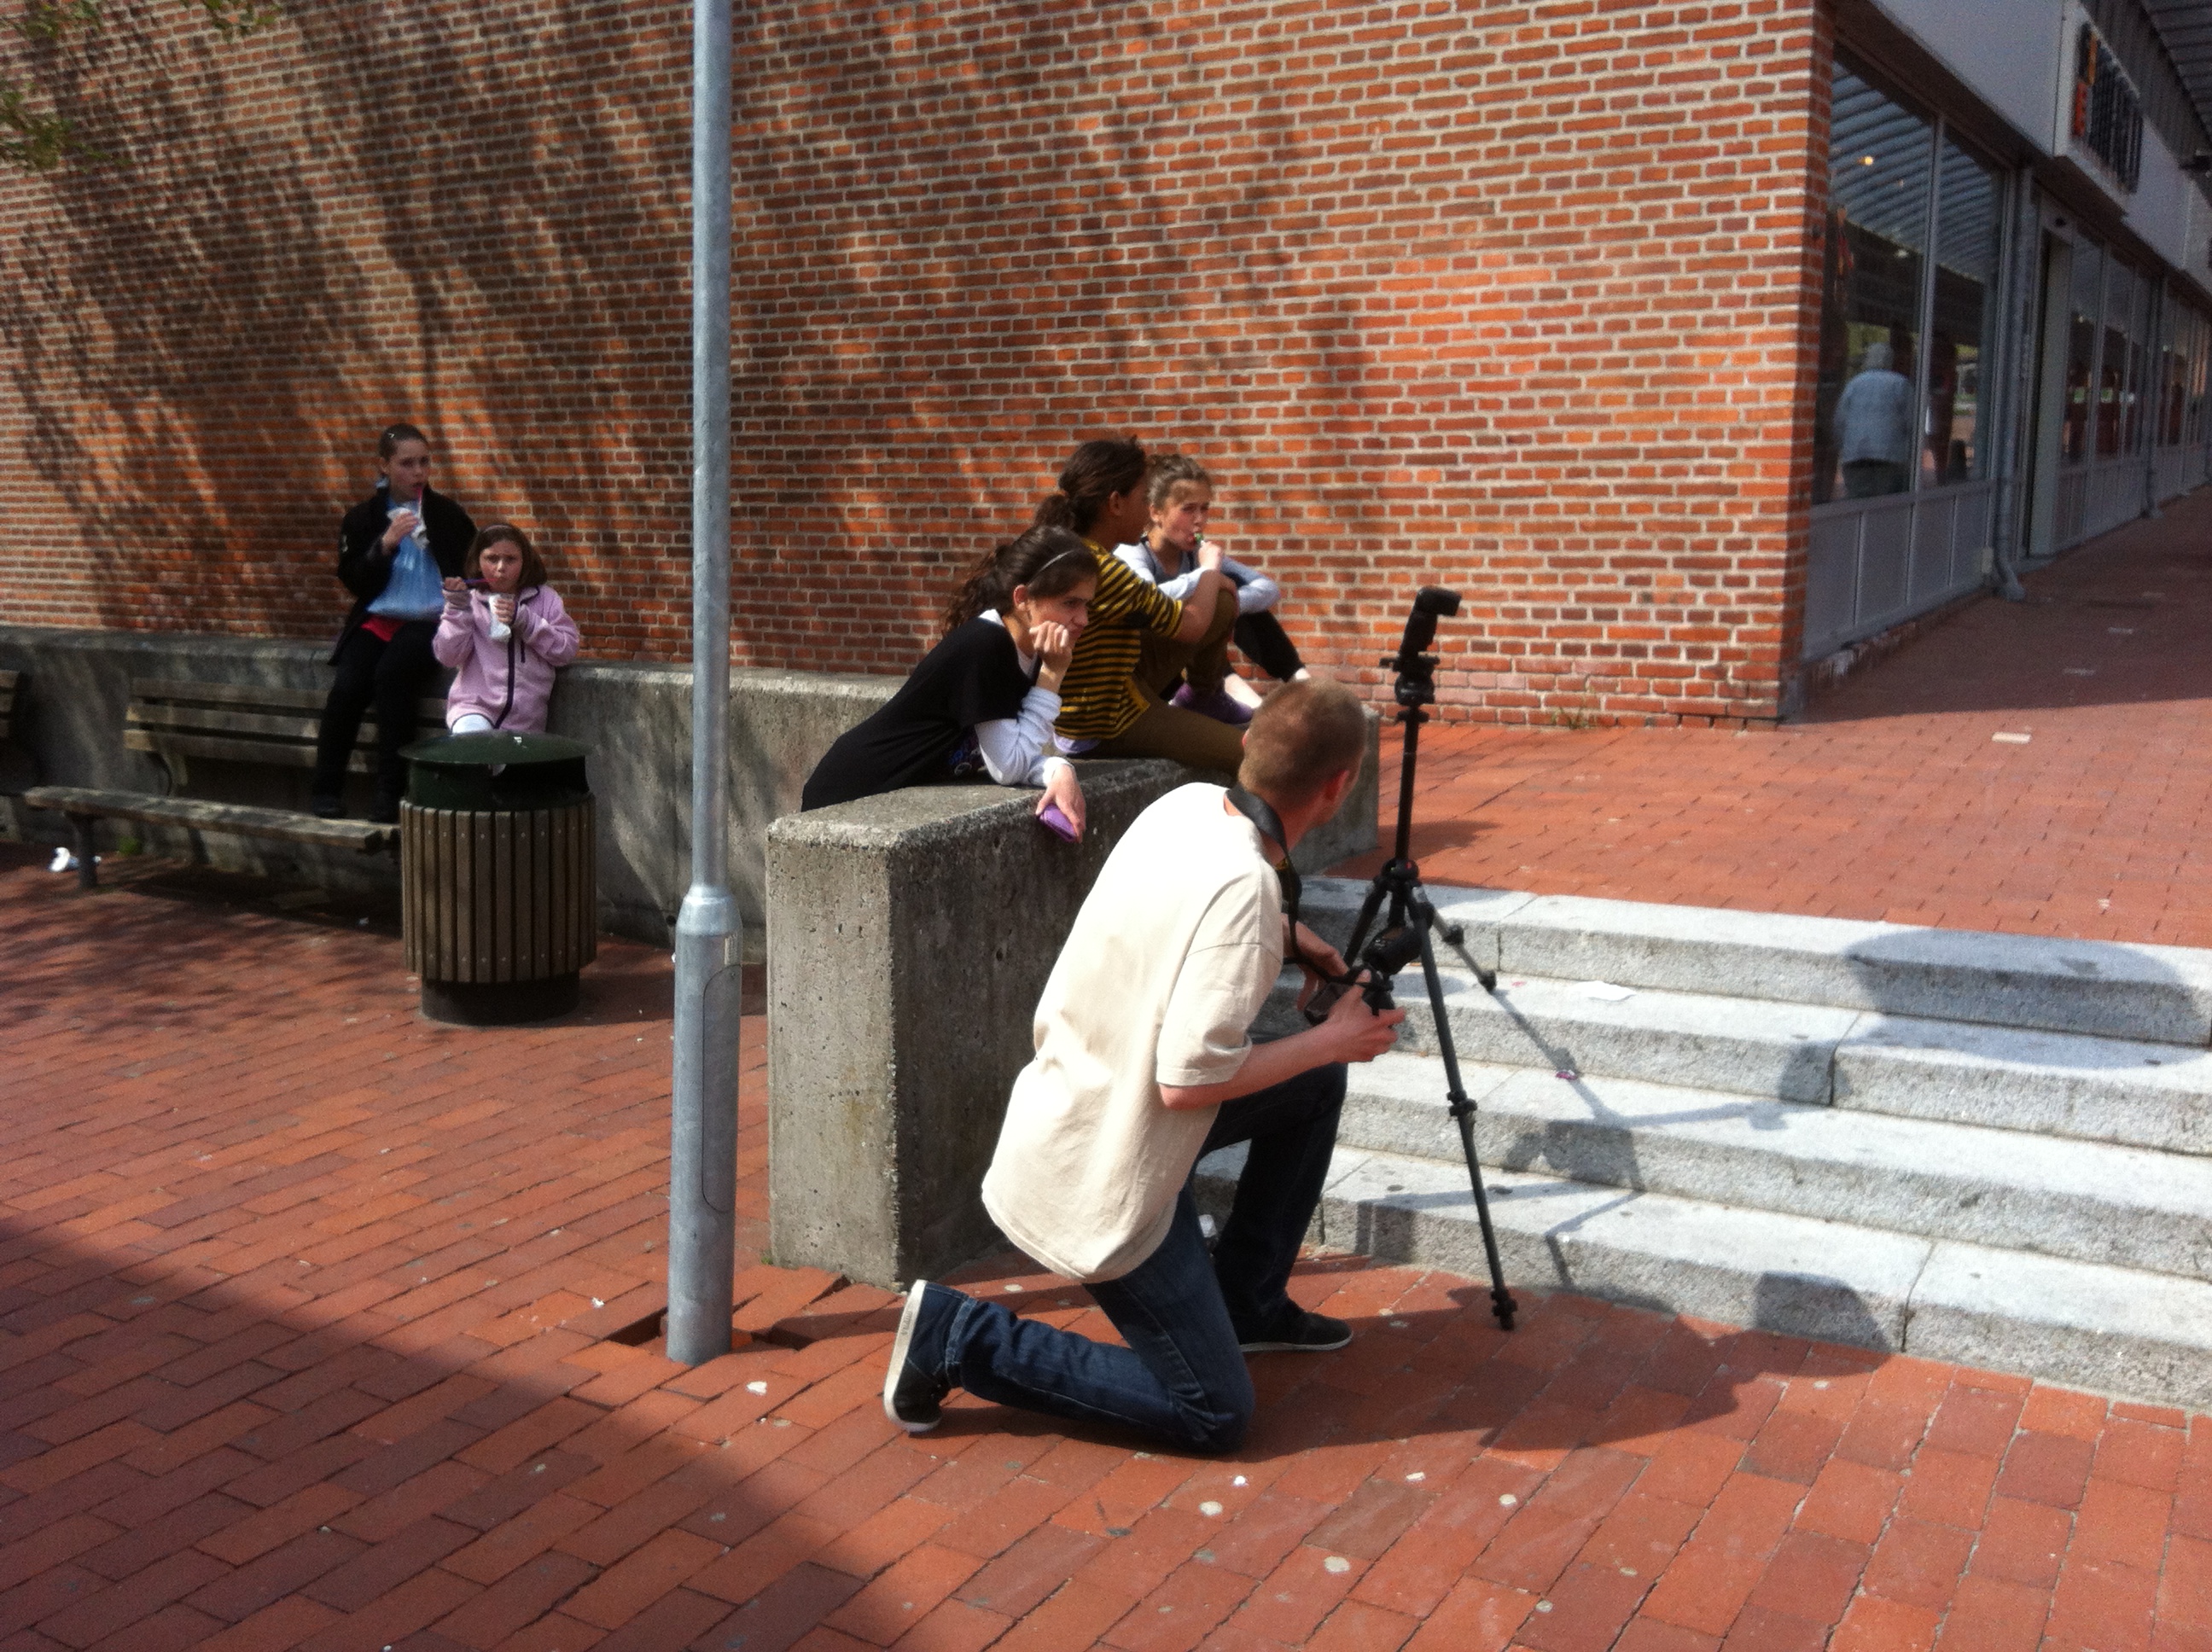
482,750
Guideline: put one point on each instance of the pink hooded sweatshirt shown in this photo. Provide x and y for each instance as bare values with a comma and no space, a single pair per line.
508,681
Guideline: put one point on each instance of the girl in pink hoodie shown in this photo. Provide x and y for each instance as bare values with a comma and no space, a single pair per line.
504,640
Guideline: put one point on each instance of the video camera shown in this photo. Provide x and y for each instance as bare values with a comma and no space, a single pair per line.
1415,667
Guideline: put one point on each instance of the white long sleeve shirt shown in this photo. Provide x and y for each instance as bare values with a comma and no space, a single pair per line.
1255,591
1019,750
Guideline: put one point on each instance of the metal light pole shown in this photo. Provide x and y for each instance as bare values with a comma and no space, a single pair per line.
703,1167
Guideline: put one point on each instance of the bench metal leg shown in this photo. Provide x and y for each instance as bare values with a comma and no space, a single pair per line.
87,863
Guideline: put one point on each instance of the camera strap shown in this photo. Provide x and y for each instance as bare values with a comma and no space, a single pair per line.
1269,825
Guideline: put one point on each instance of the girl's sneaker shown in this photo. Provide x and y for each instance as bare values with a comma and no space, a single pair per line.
1218,706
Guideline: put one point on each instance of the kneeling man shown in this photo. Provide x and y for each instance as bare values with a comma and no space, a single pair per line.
1145,1064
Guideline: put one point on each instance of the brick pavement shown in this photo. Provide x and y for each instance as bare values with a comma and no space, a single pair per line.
1894,799
319,1328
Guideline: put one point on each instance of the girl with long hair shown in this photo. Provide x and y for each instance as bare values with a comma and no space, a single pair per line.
1139,640
982,701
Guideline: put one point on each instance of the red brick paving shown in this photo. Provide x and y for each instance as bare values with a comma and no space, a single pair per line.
1891,800
304,1309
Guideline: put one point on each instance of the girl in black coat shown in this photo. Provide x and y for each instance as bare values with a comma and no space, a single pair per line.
395,549
983,701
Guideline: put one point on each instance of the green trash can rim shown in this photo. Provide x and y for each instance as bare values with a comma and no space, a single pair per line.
480,750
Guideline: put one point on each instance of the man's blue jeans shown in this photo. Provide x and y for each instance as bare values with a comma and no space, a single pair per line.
1182,1313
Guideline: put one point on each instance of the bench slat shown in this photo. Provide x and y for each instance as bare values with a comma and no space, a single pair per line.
239,818
198,720
277,753
247,694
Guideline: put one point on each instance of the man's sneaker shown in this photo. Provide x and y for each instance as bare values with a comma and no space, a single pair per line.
1299,1333
325,808
913,1391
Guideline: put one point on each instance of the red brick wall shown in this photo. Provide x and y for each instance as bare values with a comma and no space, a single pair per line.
1511,297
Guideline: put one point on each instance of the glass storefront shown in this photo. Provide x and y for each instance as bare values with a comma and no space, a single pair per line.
1866,417
1962,335
1904,415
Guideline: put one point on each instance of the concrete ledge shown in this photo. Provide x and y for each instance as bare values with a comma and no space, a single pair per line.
636,719
68,731
910,938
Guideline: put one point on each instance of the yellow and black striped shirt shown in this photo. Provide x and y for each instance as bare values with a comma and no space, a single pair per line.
1098,696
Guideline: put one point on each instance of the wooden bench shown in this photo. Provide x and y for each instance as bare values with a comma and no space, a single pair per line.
227,722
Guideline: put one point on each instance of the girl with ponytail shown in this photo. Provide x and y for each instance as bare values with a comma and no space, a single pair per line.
1140,639
982,702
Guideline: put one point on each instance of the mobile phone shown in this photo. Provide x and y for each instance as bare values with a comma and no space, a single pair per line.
1050,818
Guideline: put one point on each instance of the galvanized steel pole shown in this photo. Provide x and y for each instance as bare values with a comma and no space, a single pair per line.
703,1168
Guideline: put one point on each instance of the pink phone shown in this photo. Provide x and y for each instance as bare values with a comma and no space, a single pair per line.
1060,824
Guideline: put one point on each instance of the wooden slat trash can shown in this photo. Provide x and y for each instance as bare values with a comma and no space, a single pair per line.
499,900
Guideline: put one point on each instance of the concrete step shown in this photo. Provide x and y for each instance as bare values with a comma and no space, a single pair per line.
2144,1336
1749,1046
2093,1202
2104,1089
2159,994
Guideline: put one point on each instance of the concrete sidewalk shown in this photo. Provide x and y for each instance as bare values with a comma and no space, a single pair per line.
2038,767
323,1326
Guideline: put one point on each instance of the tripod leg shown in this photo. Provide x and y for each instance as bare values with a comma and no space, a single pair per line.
1462,1112
1367,908
1432,922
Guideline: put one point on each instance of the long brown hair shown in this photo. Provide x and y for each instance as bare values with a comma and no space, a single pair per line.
1097,470
503,533
1050,561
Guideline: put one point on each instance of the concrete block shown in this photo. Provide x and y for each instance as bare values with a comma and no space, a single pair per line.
2140,1336
2110,1089
2159,994
910,938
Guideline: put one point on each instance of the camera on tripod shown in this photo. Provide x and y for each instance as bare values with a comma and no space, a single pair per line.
1409,920
1415,667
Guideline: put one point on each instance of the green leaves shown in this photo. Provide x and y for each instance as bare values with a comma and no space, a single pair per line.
34,140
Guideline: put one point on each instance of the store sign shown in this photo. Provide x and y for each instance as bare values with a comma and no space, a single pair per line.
2108,119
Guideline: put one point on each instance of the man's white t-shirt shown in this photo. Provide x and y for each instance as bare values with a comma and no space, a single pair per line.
1173,952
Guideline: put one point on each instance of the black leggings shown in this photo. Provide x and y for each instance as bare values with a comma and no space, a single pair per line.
1267,644
390,675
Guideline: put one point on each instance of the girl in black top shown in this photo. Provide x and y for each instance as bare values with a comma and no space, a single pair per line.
395,548
985,698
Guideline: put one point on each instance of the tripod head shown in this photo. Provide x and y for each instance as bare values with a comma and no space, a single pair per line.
1416,668
1382,958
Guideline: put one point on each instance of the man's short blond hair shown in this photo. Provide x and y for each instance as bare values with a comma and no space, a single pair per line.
1303,735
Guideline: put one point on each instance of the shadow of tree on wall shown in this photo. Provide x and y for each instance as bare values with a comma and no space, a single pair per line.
965,239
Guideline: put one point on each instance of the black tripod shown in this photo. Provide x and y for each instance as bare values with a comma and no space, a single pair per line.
1410,918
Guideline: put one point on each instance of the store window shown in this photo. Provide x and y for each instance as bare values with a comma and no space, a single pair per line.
1962,335
2085,304
1895,410
2121,299
1866,415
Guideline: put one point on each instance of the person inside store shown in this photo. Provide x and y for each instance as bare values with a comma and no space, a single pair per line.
1175,550
396,549
1874,428
1145,1063
982,702
1111,701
